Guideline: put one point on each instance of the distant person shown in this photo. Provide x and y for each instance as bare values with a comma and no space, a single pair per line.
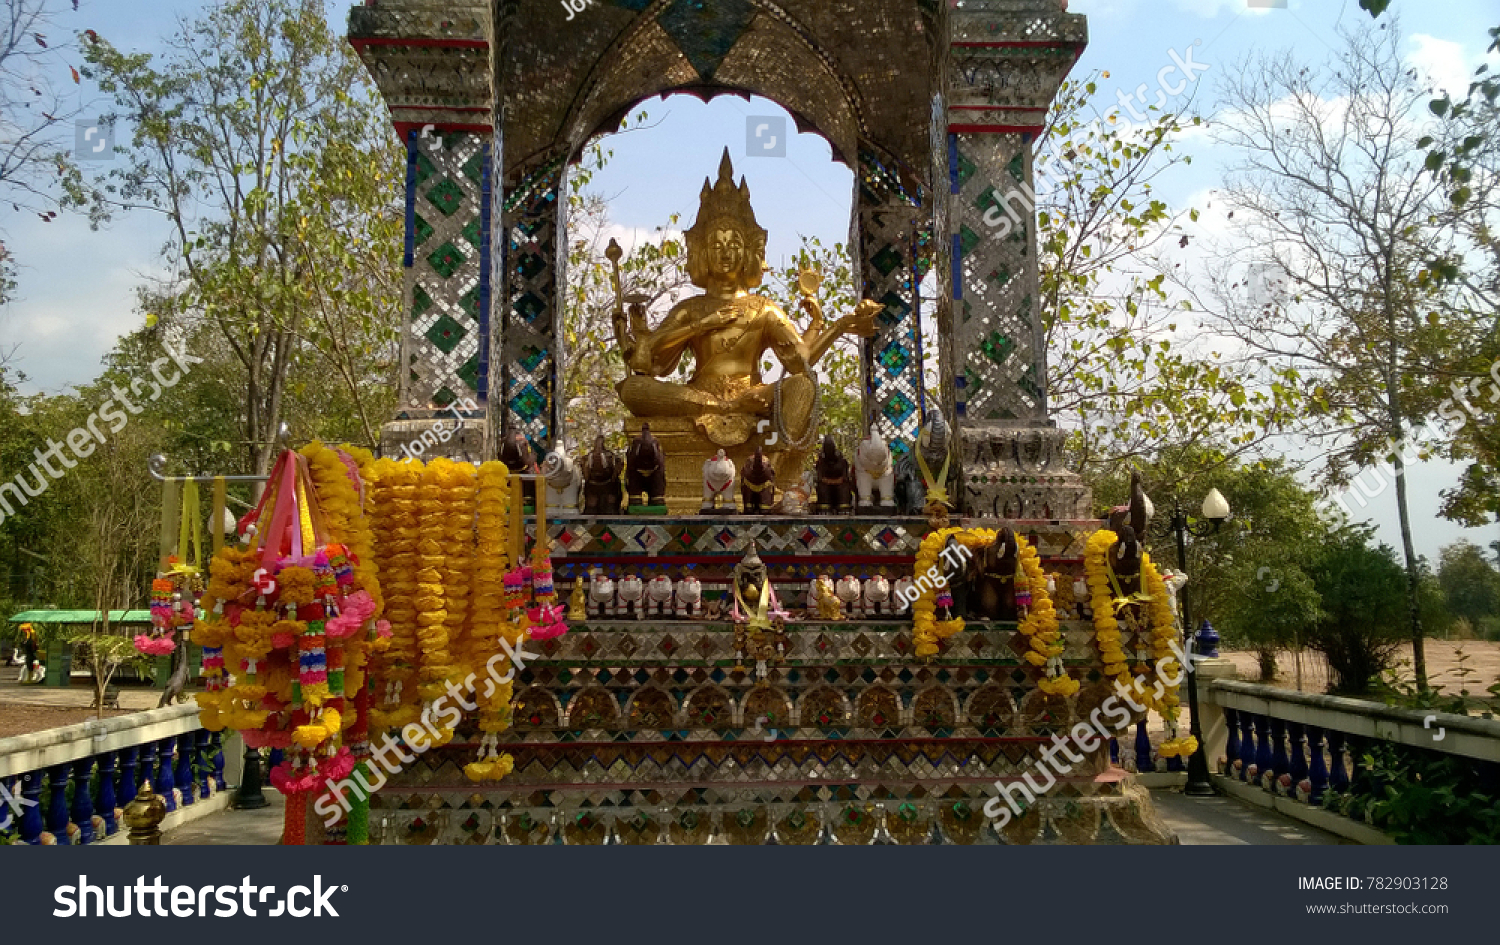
28,652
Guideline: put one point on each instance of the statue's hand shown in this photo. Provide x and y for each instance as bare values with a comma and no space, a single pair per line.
862,322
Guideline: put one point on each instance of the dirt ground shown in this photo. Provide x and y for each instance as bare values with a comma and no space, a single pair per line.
25,719
1482,660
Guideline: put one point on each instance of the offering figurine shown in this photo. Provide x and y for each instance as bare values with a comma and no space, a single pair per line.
829,605
631,592
578,606
758,485
601,481
874,472
646,474
835,494
718,477
849,591
659,595
601,594
922,474
563,481
795,499
877,596
689,597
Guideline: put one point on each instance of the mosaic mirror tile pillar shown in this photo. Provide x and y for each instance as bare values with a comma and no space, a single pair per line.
891,232
431,62
1006,60
534,218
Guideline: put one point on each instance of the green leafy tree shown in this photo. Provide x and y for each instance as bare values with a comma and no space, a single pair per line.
258,137
1364,604
1469,583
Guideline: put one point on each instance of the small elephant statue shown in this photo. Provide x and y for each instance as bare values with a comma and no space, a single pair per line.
659,596
601,481
631,592
516,454
758,485
601,594
689,597
563,481
876,600
718,478
874,472
835,491
646,470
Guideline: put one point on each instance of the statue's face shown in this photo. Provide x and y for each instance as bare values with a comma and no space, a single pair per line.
726,252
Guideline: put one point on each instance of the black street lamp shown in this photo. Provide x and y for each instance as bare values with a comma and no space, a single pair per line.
1214,513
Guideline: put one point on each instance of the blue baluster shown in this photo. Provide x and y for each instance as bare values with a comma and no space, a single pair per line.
1208,641
31,807
205,763
57,803
1317,772
1114,751
1338,778
183,775
146,770
1232,744
1279,761
1142,748
1298,769
163,783
130,763
83,805
107,803
1262,747
217,743
1247,744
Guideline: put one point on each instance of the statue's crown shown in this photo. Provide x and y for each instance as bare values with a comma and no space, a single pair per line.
725,204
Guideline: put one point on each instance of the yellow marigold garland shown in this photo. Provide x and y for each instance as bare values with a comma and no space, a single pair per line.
1039,624
1161,633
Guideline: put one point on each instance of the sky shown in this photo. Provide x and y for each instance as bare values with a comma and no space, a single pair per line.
76,295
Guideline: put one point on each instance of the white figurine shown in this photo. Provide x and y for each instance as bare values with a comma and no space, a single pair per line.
718,478
689,597
659,596
632,594
849,593
874,471
601,595
1175,581
902,593
563,481
877,596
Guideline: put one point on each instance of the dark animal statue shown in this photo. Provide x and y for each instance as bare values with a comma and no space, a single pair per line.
991,579
758,484
516,454
934,444
646,469
1128,522
601,481
835,485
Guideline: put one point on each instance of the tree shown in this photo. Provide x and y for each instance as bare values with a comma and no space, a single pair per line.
258,137
1470,584
37,112
1335,205
1117,367
1363,609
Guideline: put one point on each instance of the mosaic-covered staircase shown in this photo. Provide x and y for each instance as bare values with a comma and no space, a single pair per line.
654,731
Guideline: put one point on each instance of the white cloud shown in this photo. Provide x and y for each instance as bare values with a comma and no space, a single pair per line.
1440,62
1208,9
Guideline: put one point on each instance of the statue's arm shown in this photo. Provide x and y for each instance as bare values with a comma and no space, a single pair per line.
657,352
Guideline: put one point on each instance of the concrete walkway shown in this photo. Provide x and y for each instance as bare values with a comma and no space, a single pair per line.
1198,821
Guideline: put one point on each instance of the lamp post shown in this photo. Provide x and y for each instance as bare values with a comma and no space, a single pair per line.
1214,512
